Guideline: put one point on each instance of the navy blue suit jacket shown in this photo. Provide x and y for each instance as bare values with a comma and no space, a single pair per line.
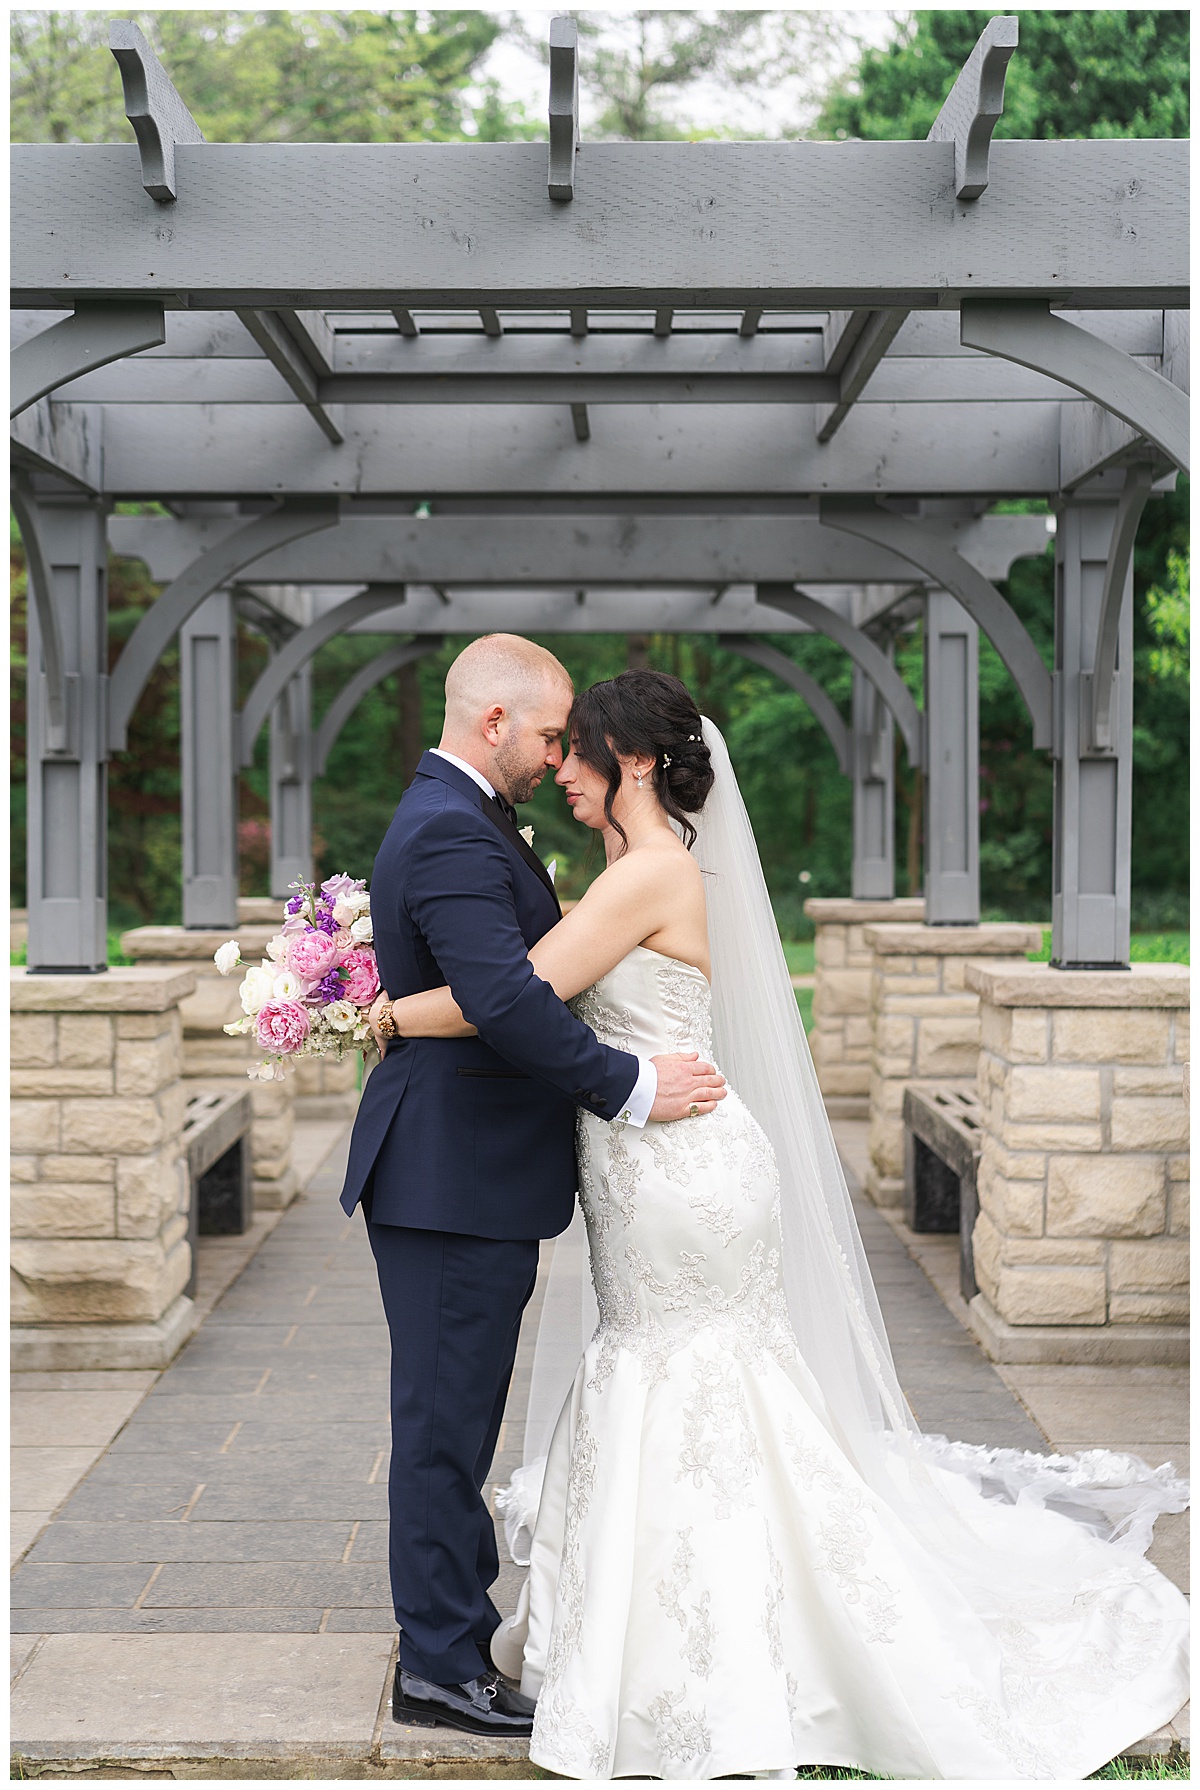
473,1135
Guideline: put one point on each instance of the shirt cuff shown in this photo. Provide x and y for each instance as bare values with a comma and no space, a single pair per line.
645,1090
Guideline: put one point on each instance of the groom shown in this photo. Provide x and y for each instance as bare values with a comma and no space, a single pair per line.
463,1153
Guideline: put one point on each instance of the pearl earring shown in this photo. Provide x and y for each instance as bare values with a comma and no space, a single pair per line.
639,780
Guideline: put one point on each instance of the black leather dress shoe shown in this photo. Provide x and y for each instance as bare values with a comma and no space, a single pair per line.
483,1705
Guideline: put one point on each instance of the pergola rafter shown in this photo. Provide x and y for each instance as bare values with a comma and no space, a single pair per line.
624,390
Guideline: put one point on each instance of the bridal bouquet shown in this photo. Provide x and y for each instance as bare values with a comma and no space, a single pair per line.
310,995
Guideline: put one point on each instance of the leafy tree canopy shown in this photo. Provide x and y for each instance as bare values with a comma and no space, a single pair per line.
1076,74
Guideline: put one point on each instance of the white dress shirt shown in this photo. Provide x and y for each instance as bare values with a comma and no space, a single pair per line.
645,1088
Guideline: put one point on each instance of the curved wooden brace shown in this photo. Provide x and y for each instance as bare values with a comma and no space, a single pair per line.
974,104
1028,332
185,594
866,655
153,107
564,107
979,597
355,688
822,705
93,336
299,650
1138,480
41,590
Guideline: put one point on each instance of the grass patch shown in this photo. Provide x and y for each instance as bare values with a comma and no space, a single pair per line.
1144,947
804,1000
801,955
1168,1766
116,957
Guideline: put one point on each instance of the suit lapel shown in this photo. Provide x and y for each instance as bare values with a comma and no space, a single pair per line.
433,766
510,832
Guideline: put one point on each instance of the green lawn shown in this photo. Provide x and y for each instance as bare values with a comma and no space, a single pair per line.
1144,947
115,954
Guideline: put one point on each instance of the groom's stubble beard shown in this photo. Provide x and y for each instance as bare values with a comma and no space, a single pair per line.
521,778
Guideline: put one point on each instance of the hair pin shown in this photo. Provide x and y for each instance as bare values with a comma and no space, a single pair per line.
666,761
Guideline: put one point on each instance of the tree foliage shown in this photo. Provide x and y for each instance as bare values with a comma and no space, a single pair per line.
1076,74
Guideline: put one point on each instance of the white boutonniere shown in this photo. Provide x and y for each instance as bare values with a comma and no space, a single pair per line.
527,835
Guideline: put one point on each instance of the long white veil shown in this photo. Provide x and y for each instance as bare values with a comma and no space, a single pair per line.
941,1490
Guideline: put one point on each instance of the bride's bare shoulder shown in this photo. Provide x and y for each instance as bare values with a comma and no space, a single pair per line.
653,867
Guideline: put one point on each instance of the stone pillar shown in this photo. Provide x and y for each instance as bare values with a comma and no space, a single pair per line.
1093,788
100,1191
68,776
208,762
924,1024
291,786
872,767
213,1061
952,763
1081,1248
841,1034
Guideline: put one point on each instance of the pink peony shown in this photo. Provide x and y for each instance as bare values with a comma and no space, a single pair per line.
362,977
281,1027
311,955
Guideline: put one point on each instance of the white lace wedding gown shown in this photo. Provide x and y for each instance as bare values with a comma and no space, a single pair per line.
713,1587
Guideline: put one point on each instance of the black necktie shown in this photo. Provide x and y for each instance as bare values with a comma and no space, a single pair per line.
506,808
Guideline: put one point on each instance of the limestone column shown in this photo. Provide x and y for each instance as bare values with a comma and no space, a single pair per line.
924,1024
100,1194
208,762
841,1034
1081,1244
67,774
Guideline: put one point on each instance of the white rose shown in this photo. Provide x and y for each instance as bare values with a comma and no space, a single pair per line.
228,957
362,932
288,987
358,900
342,1015
256,990
527,835
277,949
343,913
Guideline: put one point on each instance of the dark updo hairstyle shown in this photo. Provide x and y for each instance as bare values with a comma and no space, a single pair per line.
652,715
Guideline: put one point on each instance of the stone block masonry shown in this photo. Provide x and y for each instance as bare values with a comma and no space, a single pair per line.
1081,1245
215,1062
99,1208
924,1021
841,1034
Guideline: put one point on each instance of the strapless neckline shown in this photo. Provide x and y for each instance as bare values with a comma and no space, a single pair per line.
680,962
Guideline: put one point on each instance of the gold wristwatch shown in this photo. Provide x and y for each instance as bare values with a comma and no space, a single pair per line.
386,1025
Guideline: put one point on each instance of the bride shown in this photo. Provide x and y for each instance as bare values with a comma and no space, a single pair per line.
743,1554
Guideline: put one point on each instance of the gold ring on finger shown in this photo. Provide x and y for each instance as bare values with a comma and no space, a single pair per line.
693,1111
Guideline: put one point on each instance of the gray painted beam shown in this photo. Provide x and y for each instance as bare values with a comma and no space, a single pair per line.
1093,796
40,585
94,335
870,346
158,115
214,568
865,654
61,441
284,355
1030,333
564,108
585,549
67,843
1116,581
291,779
974,105
395,658
824,709
292,659
978,596
208,763
427,452
847,225
952,763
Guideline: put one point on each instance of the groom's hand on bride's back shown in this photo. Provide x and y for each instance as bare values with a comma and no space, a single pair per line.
683,1082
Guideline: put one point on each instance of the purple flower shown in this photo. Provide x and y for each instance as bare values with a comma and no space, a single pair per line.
336,886
325,923
329,988
294,905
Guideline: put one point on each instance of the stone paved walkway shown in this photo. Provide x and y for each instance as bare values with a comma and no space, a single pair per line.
216,1587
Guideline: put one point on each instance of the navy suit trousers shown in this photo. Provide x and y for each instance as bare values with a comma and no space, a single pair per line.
453,1306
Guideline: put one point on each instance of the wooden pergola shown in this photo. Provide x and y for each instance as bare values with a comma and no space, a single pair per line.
736,388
